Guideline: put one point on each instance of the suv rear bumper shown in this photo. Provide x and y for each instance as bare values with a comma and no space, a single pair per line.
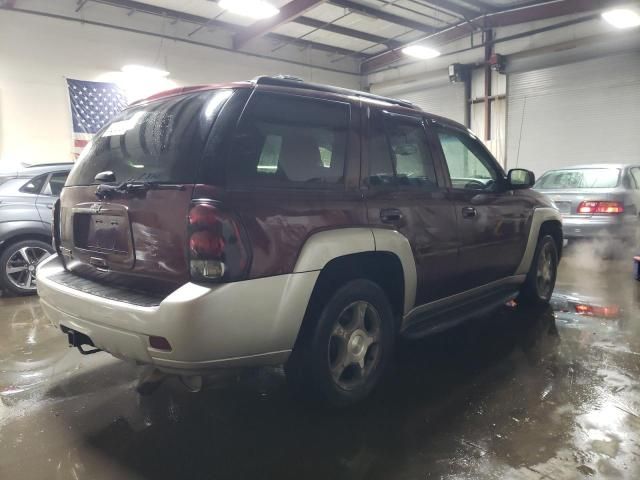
582,226
254,322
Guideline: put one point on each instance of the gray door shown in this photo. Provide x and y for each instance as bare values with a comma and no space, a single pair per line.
577,113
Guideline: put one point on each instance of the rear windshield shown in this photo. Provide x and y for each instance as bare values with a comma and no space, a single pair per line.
157,142
580,178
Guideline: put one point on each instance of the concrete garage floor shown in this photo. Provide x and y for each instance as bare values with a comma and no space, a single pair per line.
522,394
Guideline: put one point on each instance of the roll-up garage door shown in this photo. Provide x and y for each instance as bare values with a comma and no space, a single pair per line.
446,101
433,95
583,112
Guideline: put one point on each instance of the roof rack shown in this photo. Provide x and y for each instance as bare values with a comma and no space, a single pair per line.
295,82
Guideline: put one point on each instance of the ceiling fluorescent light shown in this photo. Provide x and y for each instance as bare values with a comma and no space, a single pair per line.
143,71
421,52
256,9
622,17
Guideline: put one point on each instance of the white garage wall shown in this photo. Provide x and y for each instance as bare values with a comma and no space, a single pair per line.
37,53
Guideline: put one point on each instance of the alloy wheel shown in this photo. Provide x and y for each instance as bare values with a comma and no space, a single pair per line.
545,274
21,266
354,345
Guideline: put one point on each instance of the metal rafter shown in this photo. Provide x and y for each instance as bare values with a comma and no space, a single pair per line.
383,15
540,11
393,3
203,21
288,13
455,8
349,32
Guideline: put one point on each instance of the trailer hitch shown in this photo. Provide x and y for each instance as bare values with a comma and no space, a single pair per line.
77,339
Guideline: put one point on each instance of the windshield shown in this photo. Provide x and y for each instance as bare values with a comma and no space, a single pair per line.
156,142
580,178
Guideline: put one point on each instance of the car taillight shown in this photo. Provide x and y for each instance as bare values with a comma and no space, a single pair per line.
600,207
217,250
611,311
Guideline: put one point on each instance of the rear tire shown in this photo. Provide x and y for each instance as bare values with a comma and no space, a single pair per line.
541,279
340,359
18,264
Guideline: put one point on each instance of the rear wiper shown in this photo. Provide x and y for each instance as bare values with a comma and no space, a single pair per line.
107,191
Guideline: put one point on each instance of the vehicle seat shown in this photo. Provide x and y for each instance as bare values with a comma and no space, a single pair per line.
300,159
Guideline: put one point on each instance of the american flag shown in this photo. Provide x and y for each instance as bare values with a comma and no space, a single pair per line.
92,105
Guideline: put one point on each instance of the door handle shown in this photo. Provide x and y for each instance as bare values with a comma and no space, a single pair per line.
391,215
469,212
50,206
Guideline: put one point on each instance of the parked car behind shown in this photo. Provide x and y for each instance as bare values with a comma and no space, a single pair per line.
596,200
277,221
27,195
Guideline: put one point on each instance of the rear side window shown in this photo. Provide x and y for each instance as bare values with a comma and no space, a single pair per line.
635,174
156,142
289,140
399,153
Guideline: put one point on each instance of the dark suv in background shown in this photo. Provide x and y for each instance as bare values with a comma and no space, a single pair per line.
27,195
277,221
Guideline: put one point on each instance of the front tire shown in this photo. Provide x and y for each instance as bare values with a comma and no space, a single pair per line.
18,264
541,279
342,357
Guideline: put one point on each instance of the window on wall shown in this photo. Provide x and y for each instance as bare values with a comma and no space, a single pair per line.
470,167
399,153
290,140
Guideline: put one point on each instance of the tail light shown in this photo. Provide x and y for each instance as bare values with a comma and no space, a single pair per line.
217,248
612,311
601,207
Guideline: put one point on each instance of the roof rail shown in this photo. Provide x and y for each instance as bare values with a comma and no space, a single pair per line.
48,164
295,82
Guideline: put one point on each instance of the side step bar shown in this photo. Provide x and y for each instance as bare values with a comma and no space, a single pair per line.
446,313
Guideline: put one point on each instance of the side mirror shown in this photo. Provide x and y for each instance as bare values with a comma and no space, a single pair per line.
106,176
519,178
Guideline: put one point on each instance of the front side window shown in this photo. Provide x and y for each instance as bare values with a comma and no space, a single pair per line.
55,183
34,185
286,140
399,153
470,167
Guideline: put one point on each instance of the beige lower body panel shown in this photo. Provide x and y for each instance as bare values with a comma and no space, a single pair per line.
255,322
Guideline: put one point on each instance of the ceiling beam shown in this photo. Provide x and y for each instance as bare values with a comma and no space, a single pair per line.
130,5
382,15
288,13
349,32
323,47
455,8
504,18
203,21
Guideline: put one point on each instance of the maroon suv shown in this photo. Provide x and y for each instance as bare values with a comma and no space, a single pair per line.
277,221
